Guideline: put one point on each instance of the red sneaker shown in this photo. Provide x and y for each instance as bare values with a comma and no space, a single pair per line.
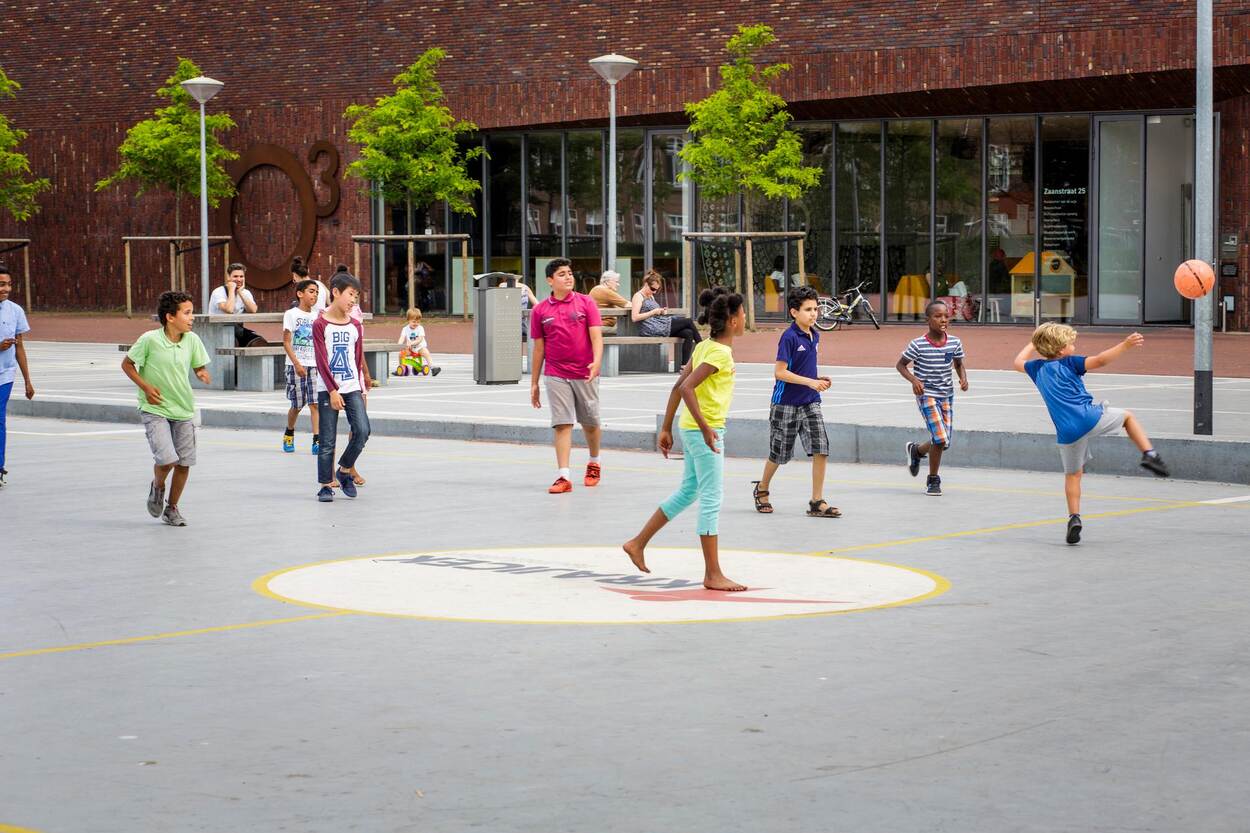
561,486
592,474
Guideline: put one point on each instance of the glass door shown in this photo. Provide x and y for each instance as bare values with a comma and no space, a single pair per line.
1120,170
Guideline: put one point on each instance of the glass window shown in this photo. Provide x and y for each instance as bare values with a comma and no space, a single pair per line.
505,203
957,218
631,172
544,205
1064,277
1010,224
586,198
470,224
669,202
1120,172
811,213
907,172
857,169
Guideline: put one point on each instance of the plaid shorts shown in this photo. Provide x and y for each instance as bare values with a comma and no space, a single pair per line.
301,392
786,422
937,412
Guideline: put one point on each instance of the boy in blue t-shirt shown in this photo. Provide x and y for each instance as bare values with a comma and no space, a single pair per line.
1077,419
795,410
932,356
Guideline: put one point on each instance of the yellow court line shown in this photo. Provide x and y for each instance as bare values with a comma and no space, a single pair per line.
8,828
84,646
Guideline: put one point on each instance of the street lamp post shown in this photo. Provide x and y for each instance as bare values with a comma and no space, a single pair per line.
1204,237
202,89
612,68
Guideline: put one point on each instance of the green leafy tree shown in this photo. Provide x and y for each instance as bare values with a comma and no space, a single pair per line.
742,140
164,151
410,142
17,190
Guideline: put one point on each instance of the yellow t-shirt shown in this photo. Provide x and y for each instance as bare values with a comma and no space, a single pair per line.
717,390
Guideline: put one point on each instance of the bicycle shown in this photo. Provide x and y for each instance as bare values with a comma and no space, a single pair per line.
830,311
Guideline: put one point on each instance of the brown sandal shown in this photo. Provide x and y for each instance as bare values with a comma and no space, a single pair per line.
821,509
761,499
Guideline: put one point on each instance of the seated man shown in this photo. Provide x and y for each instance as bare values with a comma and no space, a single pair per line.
607,294
234,299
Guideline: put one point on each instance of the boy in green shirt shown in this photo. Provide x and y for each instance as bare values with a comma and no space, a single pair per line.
159,363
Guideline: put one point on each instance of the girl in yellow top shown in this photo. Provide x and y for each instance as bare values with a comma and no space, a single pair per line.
706,386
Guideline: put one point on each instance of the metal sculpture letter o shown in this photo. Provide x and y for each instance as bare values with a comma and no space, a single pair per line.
266,155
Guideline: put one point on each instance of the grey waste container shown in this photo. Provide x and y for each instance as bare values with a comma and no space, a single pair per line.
497,328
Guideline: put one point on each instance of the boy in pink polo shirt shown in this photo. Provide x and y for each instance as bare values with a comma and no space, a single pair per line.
567,333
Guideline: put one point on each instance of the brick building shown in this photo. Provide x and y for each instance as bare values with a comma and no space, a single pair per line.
1027,159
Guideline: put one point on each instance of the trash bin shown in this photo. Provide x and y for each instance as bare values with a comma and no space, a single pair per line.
496,329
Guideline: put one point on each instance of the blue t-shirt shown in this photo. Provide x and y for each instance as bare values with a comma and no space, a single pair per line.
12,324
1071,406
932,363
798,350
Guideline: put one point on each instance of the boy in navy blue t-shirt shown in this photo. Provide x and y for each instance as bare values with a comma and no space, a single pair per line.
795,410
1077,419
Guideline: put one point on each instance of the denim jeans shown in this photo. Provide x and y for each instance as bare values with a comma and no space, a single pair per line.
328,425
5,390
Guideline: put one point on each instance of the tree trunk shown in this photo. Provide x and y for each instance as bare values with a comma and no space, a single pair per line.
182,278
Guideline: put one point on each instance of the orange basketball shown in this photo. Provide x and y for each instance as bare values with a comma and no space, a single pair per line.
1194,279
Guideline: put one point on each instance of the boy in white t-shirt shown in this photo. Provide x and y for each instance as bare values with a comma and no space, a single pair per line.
338,342
416,355
301,362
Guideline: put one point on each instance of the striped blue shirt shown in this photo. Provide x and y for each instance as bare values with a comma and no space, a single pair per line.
931,363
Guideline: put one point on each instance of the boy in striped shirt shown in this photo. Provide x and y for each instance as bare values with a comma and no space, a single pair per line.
931,358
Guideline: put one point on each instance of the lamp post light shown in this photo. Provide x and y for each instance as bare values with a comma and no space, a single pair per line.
202,89
612,68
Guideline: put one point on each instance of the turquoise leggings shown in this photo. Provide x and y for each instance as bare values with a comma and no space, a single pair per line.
701,479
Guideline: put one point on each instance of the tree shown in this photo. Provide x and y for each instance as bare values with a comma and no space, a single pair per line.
164,151
742,142
409,144
17,191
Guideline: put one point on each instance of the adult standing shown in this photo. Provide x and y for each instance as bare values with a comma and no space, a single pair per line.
12,355
567,333
234,298
607,293
655,320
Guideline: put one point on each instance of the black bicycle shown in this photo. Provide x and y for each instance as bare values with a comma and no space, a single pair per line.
832,311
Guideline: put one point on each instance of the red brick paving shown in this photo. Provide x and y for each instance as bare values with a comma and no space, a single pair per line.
1168,352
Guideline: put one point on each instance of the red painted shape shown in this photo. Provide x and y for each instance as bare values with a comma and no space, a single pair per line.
702,594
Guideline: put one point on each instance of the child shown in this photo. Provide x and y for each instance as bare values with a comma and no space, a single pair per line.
338,342
795,410
158,363
301,384
1077,419
706,386
12,355
932,356
416,355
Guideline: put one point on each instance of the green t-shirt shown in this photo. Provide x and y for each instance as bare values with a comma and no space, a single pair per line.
716,391
168,365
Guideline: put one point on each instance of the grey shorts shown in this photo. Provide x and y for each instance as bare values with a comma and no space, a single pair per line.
1076,455
573,400
171,440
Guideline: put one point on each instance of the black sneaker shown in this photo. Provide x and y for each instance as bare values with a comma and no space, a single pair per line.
933,486
1151,461
913,459
436,371
1074,529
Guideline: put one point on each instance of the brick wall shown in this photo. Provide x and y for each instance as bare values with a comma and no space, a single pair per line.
89,71
1235,202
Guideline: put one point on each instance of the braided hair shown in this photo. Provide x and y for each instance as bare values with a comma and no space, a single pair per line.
719,304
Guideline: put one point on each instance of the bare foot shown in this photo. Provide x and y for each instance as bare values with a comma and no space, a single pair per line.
635,554
720,582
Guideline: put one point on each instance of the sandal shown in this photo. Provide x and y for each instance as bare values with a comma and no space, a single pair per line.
821,509
761,499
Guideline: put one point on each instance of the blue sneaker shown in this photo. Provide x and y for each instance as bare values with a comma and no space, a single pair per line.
316,447
288,443
326,495
347,484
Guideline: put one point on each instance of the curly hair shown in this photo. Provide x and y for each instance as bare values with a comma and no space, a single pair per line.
719,304
1050,339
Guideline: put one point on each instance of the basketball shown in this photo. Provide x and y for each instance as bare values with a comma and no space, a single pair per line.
1194,279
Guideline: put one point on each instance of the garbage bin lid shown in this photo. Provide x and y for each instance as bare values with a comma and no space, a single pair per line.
494,278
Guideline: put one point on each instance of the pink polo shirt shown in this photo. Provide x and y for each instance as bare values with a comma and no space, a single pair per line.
564,326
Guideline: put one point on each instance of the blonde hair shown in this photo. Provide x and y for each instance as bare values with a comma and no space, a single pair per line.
413,312
1050,339
653,277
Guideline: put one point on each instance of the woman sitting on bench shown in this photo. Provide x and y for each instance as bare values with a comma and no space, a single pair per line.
654,320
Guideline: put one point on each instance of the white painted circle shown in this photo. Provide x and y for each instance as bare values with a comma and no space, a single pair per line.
597,585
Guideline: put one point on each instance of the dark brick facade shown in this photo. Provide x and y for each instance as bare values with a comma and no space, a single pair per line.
89,71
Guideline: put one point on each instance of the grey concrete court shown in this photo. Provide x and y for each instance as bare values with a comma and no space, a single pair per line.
149,681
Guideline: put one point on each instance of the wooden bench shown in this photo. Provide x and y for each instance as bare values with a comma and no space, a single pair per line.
642,359
258,368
